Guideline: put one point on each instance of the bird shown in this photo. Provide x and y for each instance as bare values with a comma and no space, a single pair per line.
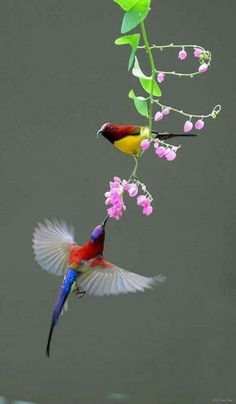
84,268
127,138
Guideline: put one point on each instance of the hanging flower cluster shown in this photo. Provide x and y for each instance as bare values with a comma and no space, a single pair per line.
161,114
203,56
161,148
204,60
188,125
114,197
200,53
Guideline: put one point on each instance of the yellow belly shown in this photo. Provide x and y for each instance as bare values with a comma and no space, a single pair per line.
130,144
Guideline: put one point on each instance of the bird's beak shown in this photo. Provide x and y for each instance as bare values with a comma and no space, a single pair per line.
105,220
99,132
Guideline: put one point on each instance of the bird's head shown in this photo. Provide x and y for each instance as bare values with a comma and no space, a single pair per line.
107,130
98,234
114,133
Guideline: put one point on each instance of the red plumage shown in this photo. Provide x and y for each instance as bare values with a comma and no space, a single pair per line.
114,133
85,253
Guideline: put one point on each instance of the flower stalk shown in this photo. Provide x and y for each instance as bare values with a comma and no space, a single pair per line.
153,73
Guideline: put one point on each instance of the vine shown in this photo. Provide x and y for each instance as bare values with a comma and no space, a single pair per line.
135,13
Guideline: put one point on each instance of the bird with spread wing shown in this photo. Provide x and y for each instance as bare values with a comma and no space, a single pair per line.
84,268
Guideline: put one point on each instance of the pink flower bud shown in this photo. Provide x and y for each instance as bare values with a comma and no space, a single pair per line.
171,155
197,52
158,116
126,187
133,190
113,184
142,200
182,54
156,144
145,144
147,210
160,152
199,124
203,68
188,126
166,111
117,179
108,201
160,77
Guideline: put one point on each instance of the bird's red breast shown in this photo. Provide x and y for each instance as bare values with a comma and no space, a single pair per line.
85,253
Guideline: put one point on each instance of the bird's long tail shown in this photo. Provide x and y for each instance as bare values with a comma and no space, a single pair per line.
166,135
68,281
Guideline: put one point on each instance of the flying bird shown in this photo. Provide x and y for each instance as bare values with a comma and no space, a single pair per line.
127,138
84,268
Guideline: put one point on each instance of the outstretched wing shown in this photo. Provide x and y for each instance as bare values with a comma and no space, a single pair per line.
52,243
99,277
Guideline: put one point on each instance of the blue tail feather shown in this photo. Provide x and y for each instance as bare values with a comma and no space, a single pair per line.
68,281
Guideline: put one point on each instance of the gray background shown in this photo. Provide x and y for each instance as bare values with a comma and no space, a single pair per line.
61,77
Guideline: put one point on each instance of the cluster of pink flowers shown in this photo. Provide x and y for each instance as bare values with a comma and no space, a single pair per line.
161,149
161,114
188,126
145,202
114,197
198,53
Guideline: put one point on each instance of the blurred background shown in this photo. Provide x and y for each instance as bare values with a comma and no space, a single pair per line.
61,77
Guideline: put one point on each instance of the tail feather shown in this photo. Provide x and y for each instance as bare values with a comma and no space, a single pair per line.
165,135
49,340
68,281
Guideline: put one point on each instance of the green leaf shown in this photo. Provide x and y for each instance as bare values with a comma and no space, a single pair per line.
140,103
126,4
147,84
137,72
133,41
135,15
145,81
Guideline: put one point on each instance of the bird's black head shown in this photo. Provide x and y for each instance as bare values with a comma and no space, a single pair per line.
98,234
107,130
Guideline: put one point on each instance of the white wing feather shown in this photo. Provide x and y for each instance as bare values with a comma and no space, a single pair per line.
107,279
52,241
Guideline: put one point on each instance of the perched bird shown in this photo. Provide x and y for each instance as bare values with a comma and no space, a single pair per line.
84,268
127,138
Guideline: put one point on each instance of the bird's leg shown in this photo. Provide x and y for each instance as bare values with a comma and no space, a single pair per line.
79,292
133,175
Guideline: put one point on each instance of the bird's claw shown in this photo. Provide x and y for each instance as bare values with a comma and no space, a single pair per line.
79,292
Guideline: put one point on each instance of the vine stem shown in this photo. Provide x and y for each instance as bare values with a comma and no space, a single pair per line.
180,74
216,110
153,72
171,45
